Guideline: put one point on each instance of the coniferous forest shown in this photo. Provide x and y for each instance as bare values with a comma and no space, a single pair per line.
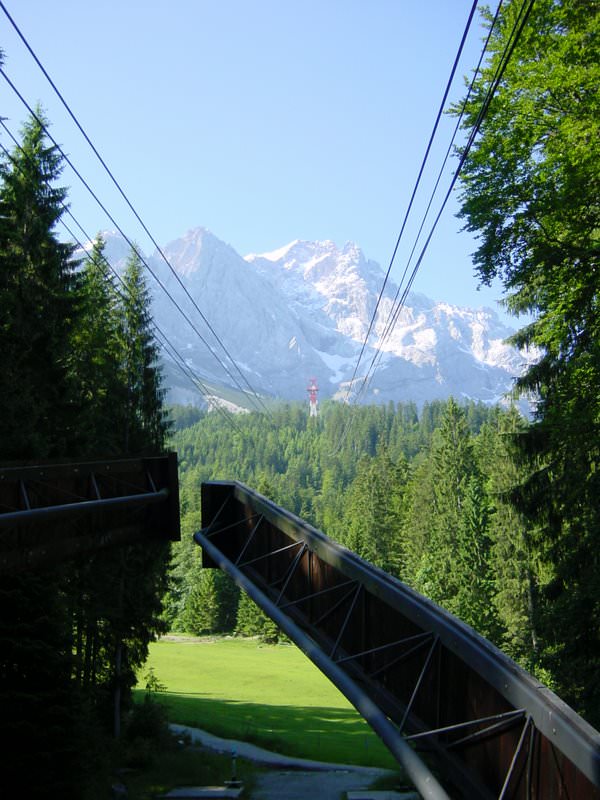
79,380
494,516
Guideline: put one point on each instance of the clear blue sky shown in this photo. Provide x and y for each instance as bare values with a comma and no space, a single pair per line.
265,121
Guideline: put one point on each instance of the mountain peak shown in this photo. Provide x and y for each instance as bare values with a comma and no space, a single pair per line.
316,263
304,309
198,245
274,255
301,250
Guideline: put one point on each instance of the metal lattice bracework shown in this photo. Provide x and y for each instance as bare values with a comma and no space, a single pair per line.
54,511
435,691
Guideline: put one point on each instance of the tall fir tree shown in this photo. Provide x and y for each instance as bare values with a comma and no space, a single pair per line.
374,511
530,194
40,303
96,356
453,567
514,567
144,423
132,610
80,377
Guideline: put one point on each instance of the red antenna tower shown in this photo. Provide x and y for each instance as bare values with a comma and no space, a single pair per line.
312,390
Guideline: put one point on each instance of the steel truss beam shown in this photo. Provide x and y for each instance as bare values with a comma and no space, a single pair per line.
417,674
53,511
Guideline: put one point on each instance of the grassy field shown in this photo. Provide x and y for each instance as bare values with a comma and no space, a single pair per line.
271,695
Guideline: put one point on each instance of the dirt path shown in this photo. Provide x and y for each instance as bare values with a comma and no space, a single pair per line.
261,756
290,778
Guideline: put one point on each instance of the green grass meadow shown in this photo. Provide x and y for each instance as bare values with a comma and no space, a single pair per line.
270,695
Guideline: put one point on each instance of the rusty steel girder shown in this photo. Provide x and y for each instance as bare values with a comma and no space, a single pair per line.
444,700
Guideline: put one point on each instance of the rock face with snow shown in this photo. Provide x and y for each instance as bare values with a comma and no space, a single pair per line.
304,310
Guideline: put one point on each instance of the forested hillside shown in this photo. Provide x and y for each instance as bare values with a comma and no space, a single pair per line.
421,495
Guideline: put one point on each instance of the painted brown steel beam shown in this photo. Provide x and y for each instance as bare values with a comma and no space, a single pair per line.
37,516
557,752
416,769
53,511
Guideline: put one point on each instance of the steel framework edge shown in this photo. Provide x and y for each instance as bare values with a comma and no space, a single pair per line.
578,740
556,753
416,769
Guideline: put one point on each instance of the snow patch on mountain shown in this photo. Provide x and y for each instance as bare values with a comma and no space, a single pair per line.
304,310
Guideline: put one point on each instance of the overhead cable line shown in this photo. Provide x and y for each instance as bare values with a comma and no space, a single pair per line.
398,304
195,380
160,336
131,244
163,342
414,192
515,34
132,208
514,37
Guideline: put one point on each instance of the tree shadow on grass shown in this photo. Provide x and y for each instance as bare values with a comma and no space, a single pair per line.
320,733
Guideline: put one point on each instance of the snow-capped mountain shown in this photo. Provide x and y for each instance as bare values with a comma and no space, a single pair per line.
304,310
432,350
